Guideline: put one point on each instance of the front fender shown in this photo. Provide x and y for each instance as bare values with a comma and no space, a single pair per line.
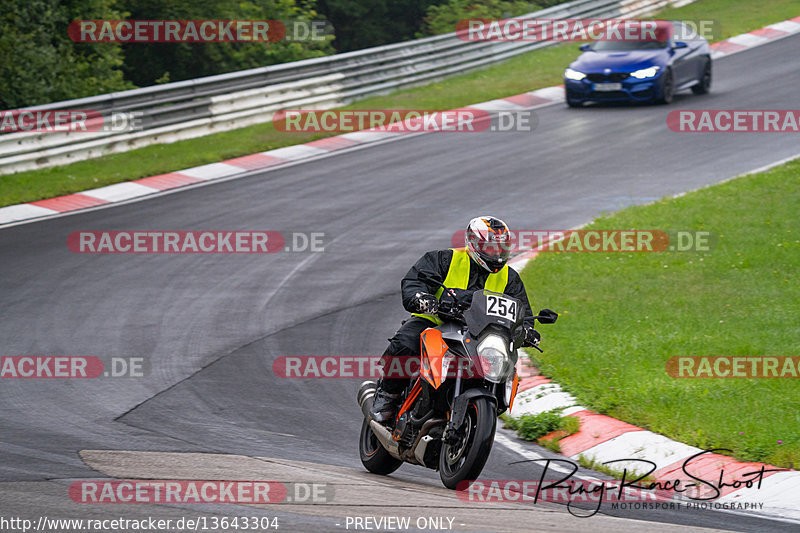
459,410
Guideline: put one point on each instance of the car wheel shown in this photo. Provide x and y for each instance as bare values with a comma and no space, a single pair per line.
705,82
667,87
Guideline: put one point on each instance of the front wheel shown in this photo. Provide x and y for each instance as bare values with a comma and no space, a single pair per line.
374,456
667,87
466,459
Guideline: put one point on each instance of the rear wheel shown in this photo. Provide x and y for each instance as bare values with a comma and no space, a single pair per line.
466,459
374,457
705,82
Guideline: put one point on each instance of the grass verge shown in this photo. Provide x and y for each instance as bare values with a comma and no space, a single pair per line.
623,315
526,72
593,464
735,16
546,429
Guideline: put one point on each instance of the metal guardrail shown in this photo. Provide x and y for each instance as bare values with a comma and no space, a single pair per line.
192,108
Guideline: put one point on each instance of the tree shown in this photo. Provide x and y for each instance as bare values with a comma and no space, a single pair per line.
364,23
41,64
147,64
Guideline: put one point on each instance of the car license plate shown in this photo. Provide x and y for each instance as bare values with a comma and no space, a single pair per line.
607,87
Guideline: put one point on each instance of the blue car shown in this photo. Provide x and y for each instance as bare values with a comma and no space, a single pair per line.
640,71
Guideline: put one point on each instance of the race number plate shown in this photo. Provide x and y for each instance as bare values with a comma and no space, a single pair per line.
502,307
603,87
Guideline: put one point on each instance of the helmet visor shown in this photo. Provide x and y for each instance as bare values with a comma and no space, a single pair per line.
493,249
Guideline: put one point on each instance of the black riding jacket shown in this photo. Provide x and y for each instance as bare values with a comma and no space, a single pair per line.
436,264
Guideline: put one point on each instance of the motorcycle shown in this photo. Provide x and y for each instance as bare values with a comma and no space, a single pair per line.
467,377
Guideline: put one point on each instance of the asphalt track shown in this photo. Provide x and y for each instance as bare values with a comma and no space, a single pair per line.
210,325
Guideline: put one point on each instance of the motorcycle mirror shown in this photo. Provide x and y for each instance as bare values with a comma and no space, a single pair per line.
547,316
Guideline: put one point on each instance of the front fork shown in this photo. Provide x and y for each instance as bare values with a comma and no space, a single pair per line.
458,412
460,405
451,430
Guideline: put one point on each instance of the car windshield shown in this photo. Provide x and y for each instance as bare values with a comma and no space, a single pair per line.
624,46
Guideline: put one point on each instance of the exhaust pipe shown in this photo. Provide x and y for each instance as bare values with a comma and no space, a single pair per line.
385,437
365,393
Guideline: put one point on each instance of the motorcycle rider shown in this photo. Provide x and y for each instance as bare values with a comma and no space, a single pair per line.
480,265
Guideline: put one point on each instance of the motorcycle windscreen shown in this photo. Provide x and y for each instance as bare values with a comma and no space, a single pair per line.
492,308
433,350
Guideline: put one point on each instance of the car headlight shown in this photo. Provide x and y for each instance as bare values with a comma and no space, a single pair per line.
493,355
572,74
645,73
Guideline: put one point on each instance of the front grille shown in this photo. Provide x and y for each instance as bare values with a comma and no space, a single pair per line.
612,77
647,93
607,95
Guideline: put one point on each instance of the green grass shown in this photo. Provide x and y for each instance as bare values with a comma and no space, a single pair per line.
519,74
526,72
534,427
623,315
735,16
143,162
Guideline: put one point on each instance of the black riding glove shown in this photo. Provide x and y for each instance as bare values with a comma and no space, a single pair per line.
532,336
425,303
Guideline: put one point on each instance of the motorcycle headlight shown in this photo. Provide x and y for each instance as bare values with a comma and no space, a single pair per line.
493,355
645,73
572,74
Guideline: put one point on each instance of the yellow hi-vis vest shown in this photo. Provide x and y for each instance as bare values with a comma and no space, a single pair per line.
458,278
